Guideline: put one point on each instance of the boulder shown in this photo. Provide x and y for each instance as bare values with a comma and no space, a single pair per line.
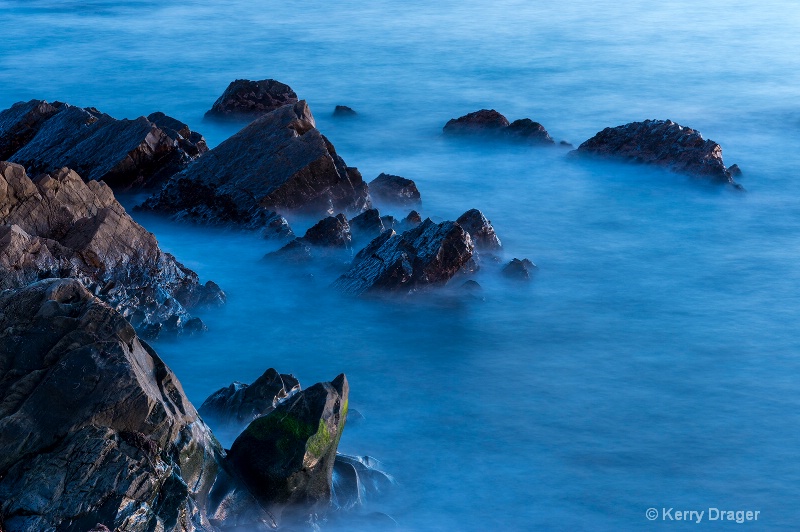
480,230
126,154
660,143
527,130
519,269
287,456
245,100
490,123
393,189
428,255
342,111
357,479
331,233
60,226
279,162
366,226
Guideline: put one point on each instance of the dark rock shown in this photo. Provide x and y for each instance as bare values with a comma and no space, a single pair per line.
412,220
734,170
99,527
481,122
566,144
527,130
287,456
61,226
480,229
394,189
123,153
342,111
660,143
356,479
331,232
427,255
471,285
519,269
245,100
279,162
366,226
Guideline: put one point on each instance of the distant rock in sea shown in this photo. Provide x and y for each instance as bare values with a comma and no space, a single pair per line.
519,269
342,111
245,100
394,190
490,123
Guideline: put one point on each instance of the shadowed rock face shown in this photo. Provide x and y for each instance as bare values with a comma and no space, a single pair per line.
519,269
245,100
279,162
343,111
394,189
124,153
328,237
480,229
60,226
660,143
490,123
428,255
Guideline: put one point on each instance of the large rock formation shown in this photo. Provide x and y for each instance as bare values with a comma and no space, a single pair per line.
490,123
245,100
125,154
393,189
60,226
660,143
428,255
279,162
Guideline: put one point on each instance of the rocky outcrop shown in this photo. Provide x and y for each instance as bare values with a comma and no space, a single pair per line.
279,162
519,269
490,123
660,143
480,230
395,190
327,235
342,111
60,226
287,456
366,226
125,154
428,255
245,100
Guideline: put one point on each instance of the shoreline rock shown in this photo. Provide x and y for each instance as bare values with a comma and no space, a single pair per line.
245,100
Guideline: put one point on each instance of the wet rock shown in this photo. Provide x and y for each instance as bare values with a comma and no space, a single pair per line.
245,100
279,162
124,153
393,189
660,143
287,457
342,111
527,130
366,226
519,269
480,230
332,232
412,220
734,170
490,123
566,144
60,226
357,479
428,255
99,527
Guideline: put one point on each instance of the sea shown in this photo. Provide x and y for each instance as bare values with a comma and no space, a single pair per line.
651,364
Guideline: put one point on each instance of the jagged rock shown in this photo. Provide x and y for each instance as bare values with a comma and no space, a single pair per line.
342,111
530,131
124,153
519,269
488,122
287,456
734,170
393,189
660,143
480,230
238,404
366,226
96,428
279,162
245,100
332,232
357,479
412,220
60,226
427,255
409,222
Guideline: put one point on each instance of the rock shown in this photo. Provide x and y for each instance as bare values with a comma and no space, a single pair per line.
332,232
366,226
660,143
279,162
245,100
409,222
566,144
287,456
393,189
480,230
96,428
734,170
99,527
490,123
342,111
471,286
527,130
357,479
60,226
428,255
412,220
124,153
519,269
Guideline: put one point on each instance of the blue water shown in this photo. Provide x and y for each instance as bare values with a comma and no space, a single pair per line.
652,362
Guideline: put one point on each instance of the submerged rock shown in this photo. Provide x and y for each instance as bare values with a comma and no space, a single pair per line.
279,162
490,123
60,226
393,189
427,255
519,269
480,229
125,154
342,111
245,100
660,143
357,479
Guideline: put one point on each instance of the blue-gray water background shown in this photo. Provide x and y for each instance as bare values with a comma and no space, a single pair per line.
653,361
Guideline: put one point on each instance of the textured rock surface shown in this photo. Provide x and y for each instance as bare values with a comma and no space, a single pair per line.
428,255
393,189
60,226
661,143
519,269
124,153
279,162
488,122
287,456
245,100
480,230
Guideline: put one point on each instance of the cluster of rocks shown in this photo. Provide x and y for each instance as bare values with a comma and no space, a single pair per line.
489,123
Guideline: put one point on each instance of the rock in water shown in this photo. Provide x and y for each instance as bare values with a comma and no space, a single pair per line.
287,456
428,255
60,226
357,479
393,189
329,234
490,123
245,100
366,226
530,131
519,269
124,153
480,230
279,162
342,111
660,143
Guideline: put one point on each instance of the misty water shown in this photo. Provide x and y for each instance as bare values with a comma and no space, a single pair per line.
653,360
